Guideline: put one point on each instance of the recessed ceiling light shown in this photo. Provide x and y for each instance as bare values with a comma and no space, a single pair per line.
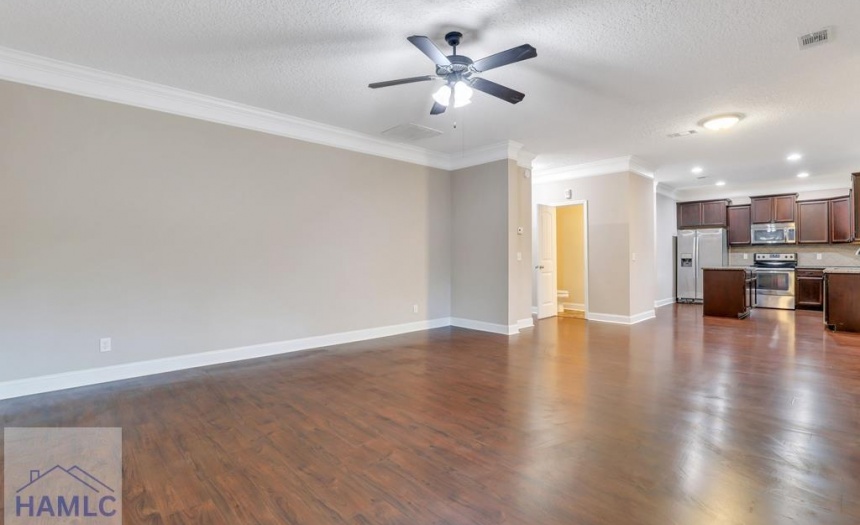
721,183
697,170
794,157
721,122
803,174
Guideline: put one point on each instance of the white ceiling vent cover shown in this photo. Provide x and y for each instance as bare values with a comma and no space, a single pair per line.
815,39
682,134
410,133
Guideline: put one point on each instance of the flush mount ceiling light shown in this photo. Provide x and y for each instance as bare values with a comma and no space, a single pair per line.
802,175
794,157
721,183
697,170
721,122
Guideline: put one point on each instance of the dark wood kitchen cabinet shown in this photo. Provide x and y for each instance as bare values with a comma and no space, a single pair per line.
702,214
727,292
842,301
842,220
813,223
739,225
773,208
689,214
809,288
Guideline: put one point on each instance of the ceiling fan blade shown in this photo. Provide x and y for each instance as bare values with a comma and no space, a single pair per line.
437,109
399,81
429,48
497,90
516,54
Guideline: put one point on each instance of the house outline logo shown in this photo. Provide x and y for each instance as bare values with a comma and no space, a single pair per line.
36,477
62,476
98,500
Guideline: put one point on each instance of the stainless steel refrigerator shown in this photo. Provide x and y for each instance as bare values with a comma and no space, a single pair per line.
698,249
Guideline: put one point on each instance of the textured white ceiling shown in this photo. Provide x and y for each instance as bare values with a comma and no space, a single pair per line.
612,78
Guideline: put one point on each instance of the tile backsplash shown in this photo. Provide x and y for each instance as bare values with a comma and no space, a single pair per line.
831,254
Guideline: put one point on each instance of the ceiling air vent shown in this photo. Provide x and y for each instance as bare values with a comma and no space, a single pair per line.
682,134
410,133
815,39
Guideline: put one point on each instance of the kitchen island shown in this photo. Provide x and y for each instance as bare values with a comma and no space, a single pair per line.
842,299
728,292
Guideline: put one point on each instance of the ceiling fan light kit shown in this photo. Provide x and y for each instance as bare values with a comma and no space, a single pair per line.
459,72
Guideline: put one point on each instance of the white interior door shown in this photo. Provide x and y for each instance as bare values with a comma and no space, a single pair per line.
547,293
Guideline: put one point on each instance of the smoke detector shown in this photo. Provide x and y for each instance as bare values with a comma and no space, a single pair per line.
817,38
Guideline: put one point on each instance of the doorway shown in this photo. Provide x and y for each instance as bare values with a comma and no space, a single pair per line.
562,260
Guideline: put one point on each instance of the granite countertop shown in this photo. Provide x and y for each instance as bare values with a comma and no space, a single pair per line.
842,269
726,268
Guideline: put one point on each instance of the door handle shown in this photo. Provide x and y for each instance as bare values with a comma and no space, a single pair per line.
538,267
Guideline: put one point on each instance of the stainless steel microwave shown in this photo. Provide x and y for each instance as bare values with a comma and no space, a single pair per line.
774,233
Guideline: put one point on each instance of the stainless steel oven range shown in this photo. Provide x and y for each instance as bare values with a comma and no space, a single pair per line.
775,280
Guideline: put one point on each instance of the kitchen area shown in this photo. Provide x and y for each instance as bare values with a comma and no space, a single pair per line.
779,251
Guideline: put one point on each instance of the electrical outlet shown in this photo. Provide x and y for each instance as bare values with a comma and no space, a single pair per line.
414,308
519,256
634,256
746,256
818,256
105,344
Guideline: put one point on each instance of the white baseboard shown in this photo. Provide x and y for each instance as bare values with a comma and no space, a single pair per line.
525,323
574,307
664,302
621,319
484,326
534,310
53,382
643,316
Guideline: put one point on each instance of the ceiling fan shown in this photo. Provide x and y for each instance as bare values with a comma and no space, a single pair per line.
458,72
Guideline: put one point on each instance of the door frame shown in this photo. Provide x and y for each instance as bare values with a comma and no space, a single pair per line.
559,204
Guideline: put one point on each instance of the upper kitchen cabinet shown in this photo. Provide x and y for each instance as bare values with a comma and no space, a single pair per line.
773,208
702,214
739,225
813,223
842,220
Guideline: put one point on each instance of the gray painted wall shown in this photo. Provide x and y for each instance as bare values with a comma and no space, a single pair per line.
608,236
174,236
667,230
480,254
643,280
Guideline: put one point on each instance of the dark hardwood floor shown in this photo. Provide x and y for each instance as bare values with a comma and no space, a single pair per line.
679,420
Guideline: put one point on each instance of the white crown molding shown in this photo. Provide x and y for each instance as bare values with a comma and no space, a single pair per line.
666,190
25,68
508,150
525,159
743,191
592,169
